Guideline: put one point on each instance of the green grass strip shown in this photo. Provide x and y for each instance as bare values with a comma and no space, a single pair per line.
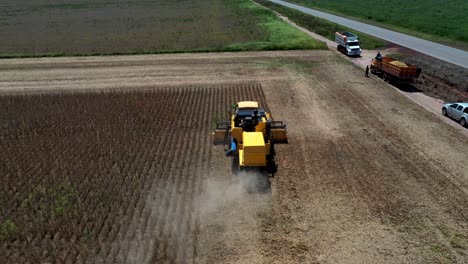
282,36
439,21
322,26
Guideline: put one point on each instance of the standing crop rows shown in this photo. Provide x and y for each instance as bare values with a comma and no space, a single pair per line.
112,177
110,26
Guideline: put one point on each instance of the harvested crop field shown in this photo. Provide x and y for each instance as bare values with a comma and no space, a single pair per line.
109,159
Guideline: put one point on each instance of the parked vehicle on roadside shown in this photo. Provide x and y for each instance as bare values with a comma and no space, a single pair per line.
457,111
348,43
394,71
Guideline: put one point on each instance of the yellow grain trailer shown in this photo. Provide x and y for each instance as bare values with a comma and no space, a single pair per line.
394,71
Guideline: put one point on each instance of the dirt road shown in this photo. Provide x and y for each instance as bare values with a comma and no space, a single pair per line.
367,177
429,103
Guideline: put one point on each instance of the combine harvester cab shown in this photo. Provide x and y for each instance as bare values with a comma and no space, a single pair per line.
250,136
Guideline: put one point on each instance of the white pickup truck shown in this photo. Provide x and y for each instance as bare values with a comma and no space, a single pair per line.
348,43
457,111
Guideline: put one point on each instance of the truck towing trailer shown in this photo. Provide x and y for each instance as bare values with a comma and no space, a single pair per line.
394,71
348,43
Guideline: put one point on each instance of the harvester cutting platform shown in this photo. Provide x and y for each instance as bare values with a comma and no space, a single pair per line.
250,135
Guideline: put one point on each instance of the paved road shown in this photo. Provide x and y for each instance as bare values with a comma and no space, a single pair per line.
449,54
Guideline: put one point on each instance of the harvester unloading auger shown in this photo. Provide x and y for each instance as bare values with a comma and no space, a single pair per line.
250,136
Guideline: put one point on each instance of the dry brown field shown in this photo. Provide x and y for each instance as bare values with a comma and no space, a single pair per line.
109,160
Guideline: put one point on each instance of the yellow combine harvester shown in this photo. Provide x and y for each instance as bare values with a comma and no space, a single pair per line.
251,134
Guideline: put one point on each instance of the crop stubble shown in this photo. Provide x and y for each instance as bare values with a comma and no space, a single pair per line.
109,176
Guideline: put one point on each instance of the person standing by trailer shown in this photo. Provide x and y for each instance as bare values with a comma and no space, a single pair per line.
367,70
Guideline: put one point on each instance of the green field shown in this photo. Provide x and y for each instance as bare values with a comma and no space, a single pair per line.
321,26
80,27
443,21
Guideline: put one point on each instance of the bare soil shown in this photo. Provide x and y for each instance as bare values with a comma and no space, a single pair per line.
368,176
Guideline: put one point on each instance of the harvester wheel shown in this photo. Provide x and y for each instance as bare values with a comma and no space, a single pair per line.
263,184
444,111
271,167
235,165
463,122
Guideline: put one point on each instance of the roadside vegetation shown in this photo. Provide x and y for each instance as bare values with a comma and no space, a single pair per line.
282,36
321,26
435,20
439,79
41,28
